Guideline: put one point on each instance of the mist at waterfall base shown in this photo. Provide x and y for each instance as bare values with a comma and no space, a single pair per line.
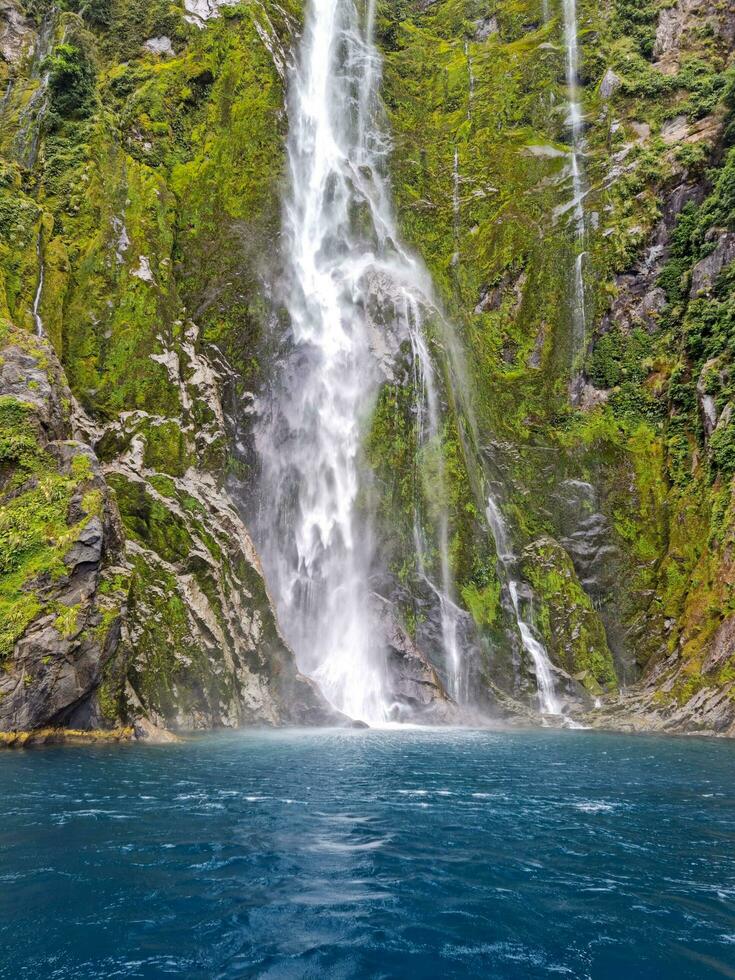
364,854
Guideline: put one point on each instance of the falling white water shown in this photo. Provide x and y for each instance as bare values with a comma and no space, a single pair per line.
37,319
341,246
428,433
548,702
470,79
575,123
455,205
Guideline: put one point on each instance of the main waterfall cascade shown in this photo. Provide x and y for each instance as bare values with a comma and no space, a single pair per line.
342,248
343,254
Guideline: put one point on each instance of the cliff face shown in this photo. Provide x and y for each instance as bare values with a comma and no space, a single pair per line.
614,443
141,162
133,183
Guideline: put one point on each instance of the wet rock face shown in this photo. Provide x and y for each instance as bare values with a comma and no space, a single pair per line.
676,22
639,301
63,624
160,617
585,532
571,628
16,32
203,646
670,24
706,271
414,686
654,705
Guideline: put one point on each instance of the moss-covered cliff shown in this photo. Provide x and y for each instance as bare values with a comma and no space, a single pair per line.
613,449
140,160
141,164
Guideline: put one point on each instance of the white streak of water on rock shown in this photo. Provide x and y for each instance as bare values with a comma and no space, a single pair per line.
548,702
37,319
575,122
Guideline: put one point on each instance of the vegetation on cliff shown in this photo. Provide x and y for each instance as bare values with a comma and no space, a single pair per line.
141,163
140,160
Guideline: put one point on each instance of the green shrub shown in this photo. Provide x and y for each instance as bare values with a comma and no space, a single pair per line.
72,79
722,449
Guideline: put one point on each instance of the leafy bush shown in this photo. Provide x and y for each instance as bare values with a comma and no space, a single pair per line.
72,78
636,19
619,357
722,449
705,85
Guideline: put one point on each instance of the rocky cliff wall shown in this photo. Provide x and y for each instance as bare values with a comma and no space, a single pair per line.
141,161
140,156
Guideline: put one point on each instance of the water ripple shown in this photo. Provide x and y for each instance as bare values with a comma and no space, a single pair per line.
371,854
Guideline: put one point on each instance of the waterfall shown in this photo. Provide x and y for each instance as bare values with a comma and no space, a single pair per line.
342,250
455,205
548,703
36,309
470,79
343,256
575,124
428,433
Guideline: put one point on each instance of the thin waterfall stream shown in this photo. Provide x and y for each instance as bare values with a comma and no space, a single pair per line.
548,701
38,295
575,125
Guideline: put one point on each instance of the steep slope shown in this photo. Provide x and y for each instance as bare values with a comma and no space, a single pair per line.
618,444
141,171
130,585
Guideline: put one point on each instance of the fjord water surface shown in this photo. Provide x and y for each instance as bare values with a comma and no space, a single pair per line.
361,854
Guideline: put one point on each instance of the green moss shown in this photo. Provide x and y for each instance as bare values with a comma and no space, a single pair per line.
17,612
166,448
150,522
67,620
108,701
571,628
35,497
483,602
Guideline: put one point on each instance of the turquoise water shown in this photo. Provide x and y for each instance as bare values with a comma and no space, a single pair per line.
371,854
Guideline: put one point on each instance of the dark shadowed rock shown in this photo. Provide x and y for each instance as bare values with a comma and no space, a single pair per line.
413,684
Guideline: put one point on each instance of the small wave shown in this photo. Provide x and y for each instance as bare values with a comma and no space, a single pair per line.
594,806
344,847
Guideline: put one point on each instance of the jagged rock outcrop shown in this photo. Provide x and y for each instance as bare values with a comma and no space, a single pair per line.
670,701
413,685
16,32
161,617
61,563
